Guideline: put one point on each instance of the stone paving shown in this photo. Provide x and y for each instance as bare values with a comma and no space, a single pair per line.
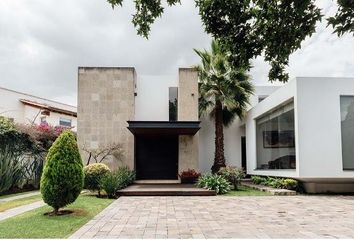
224,217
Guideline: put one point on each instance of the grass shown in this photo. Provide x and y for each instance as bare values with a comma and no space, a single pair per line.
34,224
19,202
15,194
246,191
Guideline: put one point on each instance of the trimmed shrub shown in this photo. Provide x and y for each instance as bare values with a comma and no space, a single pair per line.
63,177
93,175
232,174
116,180
214,182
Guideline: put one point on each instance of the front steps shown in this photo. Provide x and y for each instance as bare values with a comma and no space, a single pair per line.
165,190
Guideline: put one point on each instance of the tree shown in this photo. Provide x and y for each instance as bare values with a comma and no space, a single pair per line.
343,21
224,93
63,177
246,28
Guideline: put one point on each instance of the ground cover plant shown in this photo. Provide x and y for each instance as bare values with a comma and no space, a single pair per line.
276,182
243,191
214,182
34,224
63,176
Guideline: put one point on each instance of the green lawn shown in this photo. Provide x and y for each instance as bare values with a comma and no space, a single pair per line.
246,191
19,202
15,194
34,224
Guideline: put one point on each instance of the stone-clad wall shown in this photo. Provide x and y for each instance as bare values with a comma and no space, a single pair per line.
105,104
188,111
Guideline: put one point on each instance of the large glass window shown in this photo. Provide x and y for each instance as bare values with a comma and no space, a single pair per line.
172,103
276,139
347,122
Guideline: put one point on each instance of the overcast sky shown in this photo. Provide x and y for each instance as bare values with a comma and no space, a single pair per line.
42,42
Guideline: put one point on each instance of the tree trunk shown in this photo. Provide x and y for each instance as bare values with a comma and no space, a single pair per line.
56,211
219,158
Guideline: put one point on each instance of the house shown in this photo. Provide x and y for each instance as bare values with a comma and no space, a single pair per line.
303,130
27,109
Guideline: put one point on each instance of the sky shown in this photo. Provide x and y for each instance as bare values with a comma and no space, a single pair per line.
42,43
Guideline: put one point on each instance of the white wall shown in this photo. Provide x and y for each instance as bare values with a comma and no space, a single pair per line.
10,106
319,121
151,103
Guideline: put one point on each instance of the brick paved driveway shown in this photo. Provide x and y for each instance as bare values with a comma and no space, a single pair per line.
224,217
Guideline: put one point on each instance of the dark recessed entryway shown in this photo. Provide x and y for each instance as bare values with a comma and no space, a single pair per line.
156,147
156,157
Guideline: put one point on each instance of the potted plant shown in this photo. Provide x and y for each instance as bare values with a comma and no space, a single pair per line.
189,176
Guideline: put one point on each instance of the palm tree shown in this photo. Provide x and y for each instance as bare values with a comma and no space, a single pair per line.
224,92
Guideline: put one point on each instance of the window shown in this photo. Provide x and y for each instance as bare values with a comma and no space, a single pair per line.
43,119
65,122
347,128
275,139
172,103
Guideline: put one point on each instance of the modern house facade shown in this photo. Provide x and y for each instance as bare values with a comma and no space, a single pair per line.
28,109
302,130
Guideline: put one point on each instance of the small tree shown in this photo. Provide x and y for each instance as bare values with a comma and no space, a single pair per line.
63,177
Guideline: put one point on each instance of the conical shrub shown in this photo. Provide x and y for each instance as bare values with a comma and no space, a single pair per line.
63,177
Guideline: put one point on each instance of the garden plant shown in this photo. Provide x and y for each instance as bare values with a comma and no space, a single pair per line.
214,182
63,177
117,180
233,174
93,175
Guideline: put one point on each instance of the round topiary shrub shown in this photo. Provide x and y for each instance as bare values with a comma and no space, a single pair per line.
93,175
63,177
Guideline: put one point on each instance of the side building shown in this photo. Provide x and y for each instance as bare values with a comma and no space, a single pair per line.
28,109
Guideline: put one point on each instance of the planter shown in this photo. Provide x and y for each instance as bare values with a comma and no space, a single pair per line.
189,180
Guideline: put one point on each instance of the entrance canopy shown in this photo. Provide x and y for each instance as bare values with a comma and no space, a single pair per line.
164,127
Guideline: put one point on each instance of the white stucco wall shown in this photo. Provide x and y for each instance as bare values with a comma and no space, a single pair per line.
319,126
10,106
151,102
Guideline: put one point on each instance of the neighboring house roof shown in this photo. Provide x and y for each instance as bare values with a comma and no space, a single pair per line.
32,96
48,107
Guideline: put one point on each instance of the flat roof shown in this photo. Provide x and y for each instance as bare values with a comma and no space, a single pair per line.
164,127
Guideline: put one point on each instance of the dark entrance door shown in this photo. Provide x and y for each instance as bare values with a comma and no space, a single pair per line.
156,157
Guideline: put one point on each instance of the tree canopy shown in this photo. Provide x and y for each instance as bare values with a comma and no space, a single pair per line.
343,21
245,28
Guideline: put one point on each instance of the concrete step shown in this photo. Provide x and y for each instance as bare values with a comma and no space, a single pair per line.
165,190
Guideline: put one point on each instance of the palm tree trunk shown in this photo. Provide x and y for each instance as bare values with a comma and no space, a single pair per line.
219,158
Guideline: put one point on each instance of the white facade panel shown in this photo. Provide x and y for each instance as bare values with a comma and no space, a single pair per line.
319,120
